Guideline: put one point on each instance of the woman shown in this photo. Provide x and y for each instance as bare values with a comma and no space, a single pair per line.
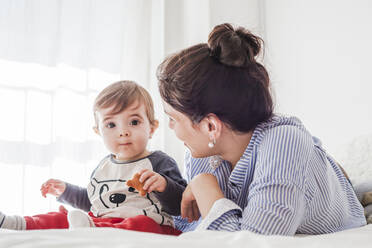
249,169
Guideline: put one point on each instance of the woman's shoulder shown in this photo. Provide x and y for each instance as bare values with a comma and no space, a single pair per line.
281,129
278,120
286,143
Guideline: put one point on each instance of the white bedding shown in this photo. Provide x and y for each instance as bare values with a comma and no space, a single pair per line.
109,237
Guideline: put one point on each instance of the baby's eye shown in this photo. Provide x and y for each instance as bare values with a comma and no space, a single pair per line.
134,122
110,125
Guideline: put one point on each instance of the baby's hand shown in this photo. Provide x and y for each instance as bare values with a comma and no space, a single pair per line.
54,187
153,181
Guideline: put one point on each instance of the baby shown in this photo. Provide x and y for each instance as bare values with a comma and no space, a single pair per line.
124,118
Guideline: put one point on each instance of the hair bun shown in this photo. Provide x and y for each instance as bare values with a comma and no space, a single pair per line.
234,47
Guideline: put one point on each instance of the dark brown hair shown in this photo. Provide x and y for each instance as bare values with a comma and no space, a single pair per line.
221,77
122,94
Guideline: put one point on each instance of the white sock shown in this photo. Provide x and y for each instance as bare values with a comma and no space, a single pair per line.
14,222
77,218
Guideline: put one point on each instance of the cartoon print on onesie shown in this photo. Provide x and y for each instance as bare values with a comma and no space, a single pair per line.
112,197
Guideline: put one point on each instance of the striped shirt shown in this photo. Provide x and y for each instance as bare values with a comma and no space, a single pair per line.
284,183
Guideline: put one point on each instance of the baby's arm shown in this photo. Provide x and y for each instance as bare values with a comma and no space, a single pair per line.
170,198
66,193
76,196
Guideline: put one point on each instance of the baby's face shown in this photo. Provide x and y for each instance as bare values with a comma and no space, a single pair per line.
125,134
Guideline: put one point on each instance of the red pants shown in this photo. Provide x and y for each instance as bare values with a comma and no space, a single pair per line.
58,220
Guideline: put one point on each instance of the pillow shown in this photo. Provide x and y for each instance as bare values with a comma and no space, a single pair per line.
356,159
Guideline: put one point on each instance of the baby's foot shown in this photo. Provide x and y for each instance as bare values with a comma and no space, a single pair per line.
77,218
13,222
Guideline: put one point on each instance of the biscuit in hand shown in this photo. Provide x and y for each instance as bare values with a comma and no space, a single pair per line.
135,183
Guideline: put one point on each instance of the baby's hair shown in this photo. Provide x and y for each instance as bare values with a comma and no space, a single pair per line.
122,94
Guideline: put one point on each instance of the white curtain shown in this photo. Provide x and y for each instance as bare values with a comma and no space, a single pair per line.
55,56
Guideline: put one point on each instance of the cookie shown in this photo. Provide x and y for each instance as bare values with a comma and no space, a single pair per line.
135,183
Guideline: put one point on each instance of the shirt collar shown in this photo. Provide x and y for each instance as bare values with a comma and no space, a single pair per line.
245,166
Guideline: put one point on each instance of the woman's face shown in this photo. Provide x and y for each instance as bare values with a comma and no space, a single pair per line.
193,135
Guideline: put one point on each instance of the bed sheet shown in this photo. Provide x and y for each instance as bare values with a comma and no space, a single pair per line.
109,237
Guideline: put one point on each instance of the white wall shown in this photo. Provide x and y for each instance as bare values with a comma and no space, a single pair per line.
319,57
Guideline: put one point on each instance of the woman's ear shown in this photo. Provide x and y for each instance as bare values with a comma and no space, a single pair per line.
212,125
153,127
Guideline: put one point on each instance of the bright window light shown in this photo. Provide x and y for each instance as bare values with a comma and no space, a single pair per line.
46,130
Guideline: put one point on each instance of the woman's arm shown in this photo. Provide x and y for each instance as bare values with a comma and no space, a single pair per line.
263,214
193,167
206,192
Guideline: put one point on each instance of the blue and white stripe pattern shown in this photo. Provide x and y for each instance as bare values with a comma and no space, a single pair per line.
285,184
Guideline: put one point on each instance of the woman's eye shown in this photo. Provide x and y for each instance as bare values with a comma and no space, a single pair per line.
110,125
134,122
